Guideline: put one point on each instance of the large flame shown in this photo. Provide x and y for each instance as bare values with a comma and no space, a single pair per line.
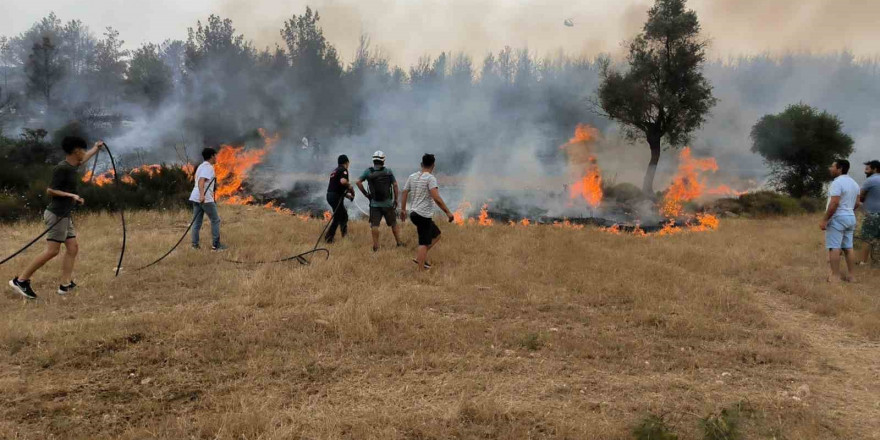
583,166
687,184
233,166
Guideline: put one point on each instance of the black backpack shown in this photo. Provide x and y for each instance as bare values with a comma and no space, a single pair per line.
380,184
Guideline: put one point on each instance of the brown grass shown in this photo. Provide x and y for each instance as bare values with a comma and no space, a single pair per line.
516,333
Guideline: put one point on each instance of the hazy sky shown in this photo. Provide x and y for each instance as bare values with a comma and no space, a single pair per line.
407,29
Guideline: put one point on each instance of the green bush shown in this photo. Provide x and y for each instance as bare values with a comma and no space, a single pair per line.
767,204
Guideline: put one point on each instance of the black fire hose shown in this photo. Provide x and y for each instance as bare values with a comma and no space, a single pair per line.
66,215
121,209
191,223
300,257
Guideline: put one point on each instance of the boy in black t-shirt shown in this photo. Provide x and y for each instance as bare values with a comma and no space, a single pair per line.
339,188
62,191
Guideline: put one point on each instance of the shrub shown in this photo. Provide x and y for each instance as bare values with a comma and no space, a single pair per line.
768,203
624,193
654,427
721,426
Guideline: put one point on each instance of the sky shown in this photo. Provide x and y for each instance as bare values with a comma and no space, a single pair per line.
404,30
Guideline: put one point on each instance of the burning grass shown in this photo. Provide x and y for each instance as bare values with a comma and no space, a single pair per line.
523,332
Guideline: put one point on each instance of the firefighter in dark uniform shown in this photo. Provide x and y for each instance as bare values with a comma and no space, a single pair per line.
339,188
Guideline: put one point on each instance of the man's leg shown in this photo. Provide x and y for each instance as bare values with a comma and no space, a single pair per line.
834,262
433,242
849,255
865,253
331,231
421,257
199,215
375,220
211,210
72,248
52,249
374,231
396,231
343,220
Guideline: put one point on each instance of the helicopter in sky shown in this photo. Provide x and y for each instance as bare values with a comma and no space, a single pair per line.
569,22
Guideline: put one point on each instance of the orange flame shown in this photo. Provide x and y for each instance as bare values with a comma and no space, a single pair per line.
567,224
588,181
459,216
525,222
686,185
233,166
589,187
706,222
105,178
584,133
327,216
484,219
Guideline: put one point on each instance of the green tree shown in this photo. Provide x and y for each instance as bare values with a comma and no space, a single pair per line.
43,70
799,145
149,78
664,95
316,74
110,66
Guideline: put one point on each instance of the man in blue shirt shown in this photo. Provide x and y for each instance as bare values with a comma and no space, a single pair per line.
839,222
870,198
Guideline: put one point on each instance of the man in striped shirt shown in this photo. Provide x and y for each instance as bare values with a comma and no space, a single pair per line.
423,186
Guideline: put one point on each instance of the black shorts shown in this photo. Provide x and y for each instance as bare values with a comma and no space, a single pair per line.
426,227
376,215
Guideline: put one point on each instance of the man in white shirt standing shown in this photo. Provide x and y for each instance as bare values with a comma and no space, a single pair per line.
839,222
202,197
424,188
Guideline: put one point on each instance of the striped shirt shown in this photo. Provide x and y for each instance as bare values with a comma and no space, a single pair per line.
420,185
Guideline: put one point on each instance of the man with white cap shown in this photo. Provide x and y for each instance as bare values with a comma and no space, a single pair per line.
383,195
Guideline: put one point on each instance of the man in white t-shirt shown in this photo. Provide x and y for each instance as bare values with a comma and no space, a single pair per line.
202,198
424,188
839,222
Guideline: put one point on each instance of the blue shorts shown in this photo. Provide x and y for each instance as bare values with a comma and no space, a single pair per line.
839,233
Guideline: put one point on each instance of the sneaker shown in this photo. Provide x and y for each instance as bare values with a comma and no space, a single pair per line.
64,290
426,266
329,240
219,247
195,246
23,287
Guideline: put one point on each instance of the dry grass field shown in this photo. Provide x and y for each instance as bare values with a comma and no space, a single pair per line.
537,332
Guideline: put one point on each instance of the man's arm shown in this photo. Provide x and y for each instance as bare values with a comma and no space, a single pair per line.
863,195
832,208
360,185
396,191
403,196
93,151
202,187
55,193
435,194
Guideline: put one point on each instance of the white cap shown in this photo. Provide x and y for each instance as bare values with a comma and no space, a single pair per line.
379,155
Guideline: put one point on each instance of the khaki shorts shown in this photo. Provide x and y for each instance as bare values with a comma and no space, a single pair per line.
62,231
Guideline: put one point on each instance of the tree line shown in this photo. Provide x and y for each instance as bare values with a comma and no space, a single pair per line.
223,86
